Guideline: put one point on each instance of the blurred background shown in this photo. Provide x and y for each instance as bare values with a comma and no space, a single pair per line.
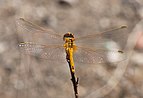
26,77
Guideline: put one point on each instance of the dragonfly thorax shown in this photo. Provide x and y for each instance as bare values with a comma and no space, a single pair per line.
69,41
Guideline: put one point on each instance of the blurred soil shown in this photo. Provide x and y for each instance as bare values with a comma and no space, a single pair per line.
78,16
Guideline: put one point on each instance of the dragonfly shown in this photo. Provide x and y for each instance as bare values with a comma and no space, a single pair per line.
76,48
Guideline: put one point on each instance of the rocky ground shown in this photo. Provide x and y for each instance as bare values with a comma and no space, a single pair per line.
22,76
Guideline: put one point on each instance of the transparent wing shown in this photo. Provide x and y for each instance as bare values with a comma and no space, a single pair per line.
48,52
82,54
42,75
92,56
39,78
99,66
119,35
33,33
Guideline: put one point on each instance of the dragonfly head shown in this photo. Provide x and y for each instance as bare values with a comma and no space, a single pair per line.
68,35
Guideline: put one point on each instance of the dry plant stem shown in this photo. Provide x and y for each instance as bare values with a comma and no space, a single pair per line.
74,80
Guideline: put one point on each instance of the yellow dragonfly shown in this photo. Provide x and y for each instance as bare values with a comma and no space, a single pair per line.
91,49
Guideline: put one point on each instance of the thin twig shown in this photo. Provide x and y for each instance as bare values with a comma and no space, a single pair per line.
74,80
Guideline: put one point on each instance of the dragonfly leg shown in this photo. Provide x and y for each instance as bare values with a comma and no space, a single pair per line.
67,57
77,81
